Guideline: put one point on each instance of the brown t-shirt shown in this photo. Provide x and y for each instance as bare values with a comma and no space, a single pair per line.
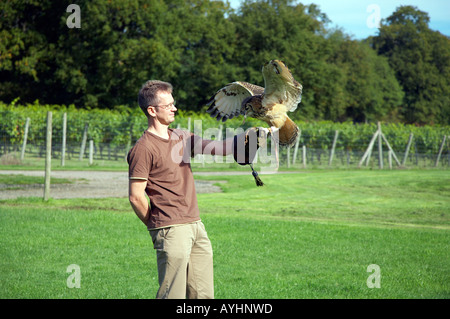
165,165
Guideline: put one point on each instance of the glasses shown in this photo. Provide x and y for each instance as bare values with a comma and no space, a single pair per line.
166,106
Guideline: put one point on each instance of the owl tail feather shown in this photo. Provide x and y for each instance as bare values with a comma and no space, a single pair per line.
258,180
288,133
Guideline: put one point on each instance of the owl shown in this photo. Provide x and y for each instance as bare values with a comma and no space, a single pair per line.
281,93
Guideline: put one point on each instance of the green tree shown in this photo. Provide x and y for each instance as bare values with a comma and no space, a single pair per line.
120,45
372,93
28,34
420,58
205,53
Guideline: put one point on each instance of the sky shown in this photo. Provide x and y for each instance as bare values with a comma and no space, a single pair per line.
359,18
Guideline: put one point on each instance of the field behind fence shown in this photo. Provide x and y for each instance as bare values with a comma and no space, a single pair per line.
107,135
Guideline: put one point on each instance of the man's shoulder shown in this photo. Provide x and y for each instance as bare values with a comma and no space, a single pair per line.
143,145
144,140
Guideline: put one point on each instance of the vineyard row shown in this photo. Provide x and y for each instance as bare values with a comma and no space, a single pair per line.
115,130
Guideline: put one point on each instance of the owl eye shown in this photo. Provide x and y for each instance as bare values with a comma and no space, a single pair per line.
275,67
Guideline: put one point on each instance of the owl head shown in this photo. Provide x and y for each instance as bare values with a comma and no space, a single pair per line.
277,70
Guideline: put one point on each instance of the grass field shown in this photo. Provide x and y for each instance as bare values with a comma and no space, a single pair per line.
303,235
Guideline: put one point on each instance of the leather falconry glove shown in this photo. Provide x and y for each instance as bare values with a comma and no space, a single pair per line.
246,144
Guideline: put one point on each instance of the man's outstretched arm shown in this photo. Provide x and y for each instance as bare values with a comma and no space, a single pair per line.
226,147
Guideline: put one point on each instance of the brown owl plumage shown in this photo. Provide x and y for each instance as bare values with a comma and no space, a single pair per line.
281,93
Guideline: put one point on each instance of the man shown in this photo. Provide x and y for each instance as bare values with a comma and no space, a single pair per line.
159,168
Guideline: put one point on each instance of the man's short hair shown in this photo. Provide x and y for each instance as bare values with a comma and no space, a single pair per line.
148,94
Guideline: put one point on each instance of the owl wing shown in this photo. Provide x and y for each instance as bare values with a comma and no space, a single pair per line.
281,87
227,101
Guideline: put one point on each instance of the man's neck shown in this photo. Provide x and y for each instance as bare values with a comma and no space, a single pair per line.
159,130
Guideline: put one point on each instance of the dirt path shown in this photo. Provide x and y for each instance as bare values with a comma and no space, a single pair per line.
87,184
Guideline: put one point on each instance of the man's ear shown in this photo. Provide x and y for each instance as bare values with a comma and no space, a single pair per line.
151,111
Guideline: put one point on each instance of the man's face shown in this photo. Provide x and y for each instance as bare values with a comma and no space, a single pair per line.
164,112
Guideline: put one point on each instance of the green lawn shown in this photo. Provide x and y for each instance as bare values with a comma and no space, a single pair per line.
305,235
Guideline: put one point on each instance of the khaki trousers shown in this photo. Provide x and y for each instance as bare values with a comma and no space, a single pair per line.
185,262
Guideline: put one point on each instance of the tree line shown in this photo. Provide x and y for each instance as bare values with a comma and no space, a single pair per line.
400,75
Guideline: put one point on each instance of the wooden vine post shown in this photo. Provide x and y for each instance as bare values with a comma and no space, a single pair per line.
48,157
